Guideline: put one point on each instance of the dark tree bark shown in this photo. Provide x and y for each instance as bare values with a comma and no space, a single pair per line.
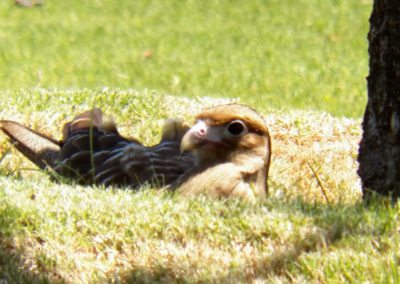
379,153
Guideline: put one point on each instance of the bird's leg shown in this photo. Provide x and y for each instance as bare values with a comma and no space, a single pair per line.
174,129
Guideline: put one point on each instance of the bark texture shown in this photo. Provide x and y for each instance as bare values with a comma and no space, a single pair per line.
379,153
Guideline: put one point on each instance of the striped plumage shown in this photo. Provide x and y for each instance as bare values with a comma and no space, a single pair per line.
227,153
93,152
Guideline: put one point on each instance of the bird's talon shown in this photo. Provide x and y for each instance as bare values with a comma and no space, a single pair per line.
174,129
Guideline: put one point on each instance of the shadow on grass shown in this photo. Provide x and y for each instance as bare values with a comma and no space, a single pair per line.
12,267
332,224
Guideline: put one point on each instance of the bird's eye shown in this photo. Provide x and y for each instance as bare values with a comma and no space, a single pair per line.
237,128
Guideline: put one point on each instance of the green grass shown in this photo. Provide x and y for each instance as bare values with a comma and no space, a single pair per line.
306,54
283,57
92,234
54,232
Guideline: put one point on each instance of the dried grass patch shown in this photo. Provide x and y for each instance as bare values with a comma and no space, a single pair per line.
302,141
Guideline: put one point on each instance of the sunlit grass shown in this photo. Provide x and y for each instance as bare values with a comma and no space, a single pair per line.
297,62
68,233
306,54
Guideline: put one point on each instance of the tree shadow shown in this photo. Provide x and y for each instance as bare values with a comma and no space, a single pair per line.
12,267
332,223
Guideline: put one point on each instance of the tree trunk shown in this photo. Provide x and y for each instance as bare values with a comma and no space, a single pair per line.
379,153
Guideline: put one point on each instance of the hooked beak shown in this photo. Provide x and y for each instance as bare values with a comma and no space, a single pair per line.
194,137
200,135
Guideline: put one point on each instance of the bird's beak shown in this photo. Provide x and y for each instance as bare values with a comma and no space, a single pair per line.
199,135
194,136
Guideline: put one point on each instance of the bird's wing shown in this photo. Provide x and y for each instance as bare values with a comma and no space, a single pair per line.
42,150
107,159
91,146
95,153
160,165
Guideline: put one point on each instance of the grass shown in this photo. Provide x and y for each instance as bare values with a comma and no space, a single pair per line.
300,63
97,235
67,233
306,54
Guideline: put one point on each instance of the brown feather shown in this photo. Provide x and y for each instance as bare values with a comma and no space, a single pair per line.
224,113
93,152
42,150
233,166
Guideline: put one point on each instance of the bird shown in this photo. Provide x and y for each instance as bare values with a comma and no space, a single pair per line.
231,146
93,152
225,154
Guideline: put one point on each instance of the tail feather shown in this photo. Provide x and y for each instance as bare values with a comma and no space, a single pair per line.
42,150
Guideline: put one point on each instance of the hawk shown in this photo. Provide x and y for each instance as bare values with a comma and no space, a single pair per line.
227,153
231,146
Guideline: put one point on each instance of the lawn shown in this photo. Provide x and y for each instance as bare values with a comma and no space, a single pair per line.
274,54
302,64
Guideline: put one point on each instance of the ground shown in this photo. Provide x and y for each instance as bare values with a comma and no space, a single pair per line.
305,231
301,64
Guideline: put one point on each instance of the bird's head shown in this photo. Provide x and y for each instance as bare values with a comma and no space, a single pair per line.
227,133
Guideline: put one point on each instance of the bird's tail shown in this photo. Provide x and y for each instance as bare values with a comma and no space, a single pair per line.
42,150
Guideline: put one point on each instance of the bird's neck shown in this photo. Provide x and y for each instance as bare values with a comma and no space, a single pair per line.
206,159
